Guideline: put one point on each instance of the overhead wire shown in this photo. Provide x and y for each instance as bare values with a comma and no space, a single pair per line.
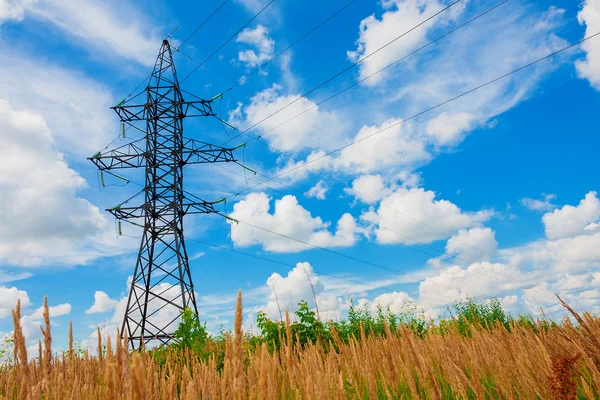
413,116
262,65
355,84
227,41
357,259
202,24
320,272
357,62
316,270
388,269
129,96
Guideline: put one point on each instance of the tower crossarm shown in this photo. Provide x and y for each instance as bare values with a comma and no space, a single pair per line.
132,155
197,152
163,106
164,210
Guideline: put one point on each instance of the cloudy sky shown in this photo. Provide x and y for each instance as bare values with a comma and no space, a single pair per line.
370,184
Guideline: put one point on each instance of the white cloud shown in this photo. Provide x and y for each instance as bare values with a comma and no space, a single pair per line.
592,227
111,26
369,188
380,147
407,215
539,205
305,132
54,311
259,38
399,17
8,299
455,283
572,255
288,218
373,188
570,220
287,292
318,191
397,302
13,9
11,277
471,245
447,129
102,303
590,67
66,99
157,315
540,296
573,282
45,221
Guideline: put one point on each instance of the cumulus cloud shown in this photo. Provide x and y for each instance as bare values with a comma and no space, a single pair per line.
455,283
102,303
318,191
305,132
41,91
448,128
572,254
389,144
287,292
158,315
372,188
259,38
290,219
570,220
396,302
398,17
471,245
111,26
539,205
369,188
34,232
589,68
9,297
408,215
54,311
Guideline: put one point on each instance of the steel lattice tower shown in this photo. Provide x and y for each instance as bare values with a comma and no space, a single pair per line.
161,281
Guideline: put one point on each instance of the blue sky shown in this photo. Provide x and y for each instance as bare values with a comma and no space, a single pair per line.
490,195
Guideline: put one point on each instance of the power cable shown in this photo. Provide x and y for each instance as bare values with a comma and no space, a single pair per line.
129,96
308,162
318,271
243,79
360,60
379,71
227,41
379,266
202,24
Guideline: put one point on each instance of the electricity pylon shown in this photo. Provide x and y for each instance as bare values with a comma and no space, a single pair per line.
162,284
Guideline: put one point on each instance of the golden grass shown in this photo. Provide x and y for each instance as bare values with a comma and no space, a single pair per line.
493,363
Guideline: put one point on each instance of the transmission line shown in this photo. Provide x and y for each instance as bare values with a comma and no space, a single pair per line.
388,269
317,271
244,78
202,24
228,40
308,162
378,71
346,69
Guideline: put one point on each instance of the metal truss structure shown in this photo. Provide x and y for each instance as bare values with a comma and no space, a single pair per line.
162,284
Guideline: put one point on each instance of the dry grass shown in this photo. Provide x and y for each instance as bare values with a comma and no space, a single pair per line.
491,364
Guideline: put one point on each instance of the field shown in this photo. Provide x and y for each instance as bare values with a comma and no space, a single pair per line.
480,352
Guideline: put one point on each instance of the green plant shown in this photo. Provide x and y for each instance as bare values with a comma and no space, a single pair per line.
190,333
